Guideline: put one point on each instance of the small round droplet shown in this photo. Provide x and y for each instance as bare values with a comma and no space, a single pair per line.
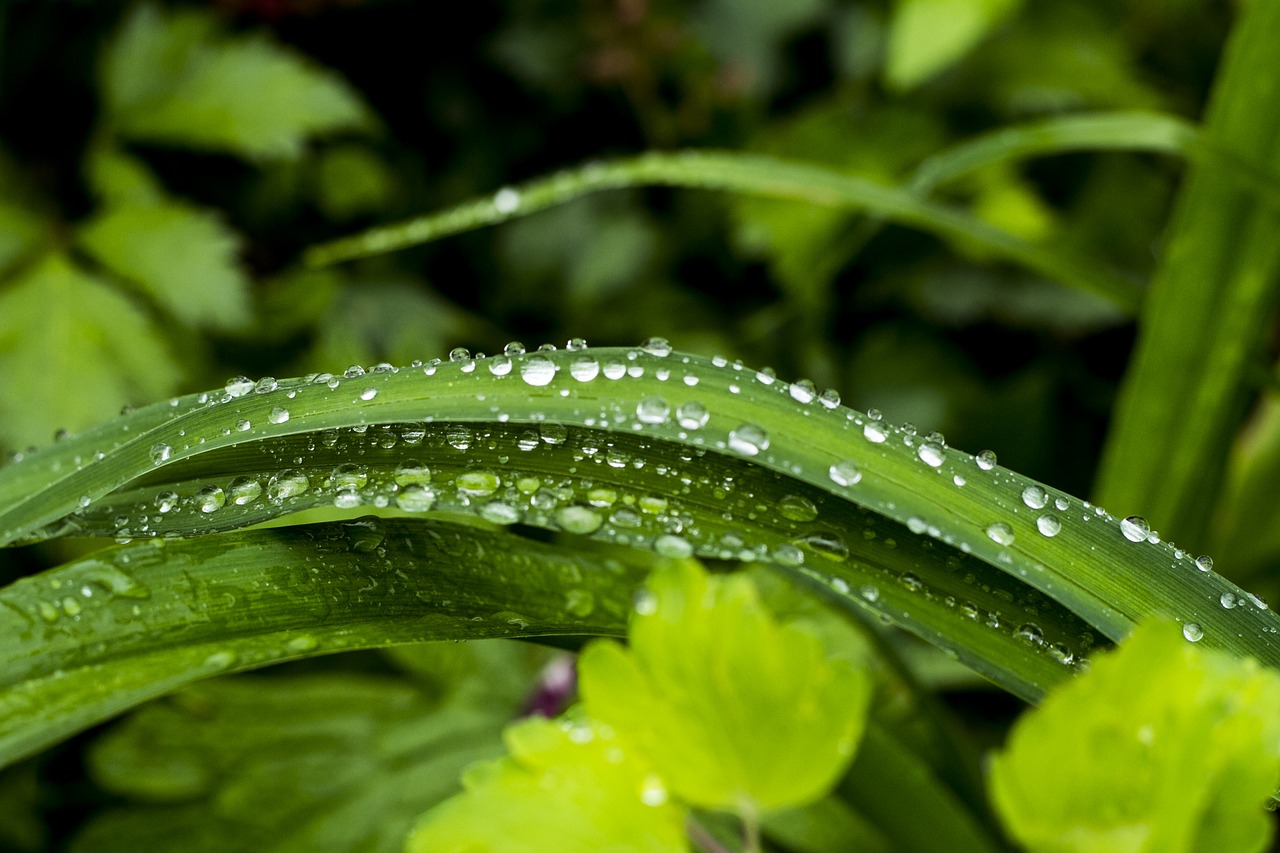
797,508
238,386
278,415
477,483
575,344
506,201
1228,600
160,453
1035,497
670,545
458,355
1192,632
578,519
803,391
657,346
748,440
845,473
513,349
166,501
1049,525
830,398
584,368
653,410
1000,533
459,437
986,460
1030,633
265,385
538,370
368,393
553,433
873,431
244,490
1135,528
931,454
412,472
1204,563
692,415
500,365
210,499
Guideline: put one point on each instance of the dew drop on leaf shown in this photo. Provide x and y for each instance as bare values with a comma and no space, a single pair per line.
1048,525
278,415
238,386
670,545
986,460
845,473
553,433
210,499
692,415
538,370
1135,528
1193,632
1000,533
244,490
1204,563
416,498
160,453
579,519
874,432
653,410
1035,497
797,508
931,454
657,346
748,440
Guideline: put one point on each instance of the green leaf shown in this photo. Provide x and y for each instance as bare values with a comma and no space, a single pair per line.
64,330
300,763
351,181
568,785
20,234
183,257
121,179
1161,748
173,78
734,709
1207,317
926,36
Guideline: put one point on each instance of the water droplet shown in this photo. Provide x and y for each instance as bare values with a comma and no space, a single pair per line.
412,472
553,433
1061,504
1049,525
874,431
931,454
238,386
457,355
287,484
692,415
477,483
870,593
1000,533
160,453
347,497
959,480
797,508
353,371
166,501
1228,600
416,498
368,393
303,643
350,476
788,555
653,410
845,473
1204,563
830,398
210,499
513,349
1035,497
266,385
578,519
538,370
1031,633
748,440
1135,528
1193,632
459,436
243,425
244,490
506,201
500,512
803,391
670,545
278,415
986,460
584,368
657,346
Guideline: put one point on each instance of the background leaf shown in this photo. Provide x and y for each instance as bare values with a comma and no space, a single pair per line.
926,36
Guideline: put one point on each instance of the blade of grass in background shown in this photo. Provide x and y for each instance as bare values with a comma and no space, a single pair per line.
1211,300
741,173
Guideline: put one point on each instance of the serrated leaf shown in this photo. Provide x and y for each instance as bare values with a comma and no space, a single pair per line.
336,762
926,36
175,79
182,256
732,707
566,786
1162,746
72,351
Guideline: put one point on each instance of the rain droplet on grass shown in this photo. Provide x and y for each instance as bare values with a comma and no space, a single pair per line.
287,484
506,201
797,508
416,498
692,415
660,347
653,410
553,433
748,440
238,386
931,454
874,432
1035,497
1228,600
1204,563
160,453
1049,525
845,473
578,519
1192,632
1000,533
670,545
986,460
803,391
278,415
538,371
244,490
210,499
1135,528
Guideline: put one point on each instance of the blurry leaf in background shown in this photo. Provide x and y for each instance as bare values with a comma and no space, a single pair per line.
20,233
1162,747
735,709
73,351
21,829
183,257
321,762
926,36
393,321
120,178
352,180
566,785
1012,204
174,78
748,38
958,297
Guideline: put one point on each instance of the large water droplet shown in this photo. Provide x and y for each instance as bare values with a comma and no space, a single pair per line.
584,368
986,460
657,346
553,433
506,201
1000,533
1204,563
874,431
1135,528
244,490
350,476
1049,525
797,508
477,483
278,415
845,473
416,498
210,499
653,410
265,385
411,472
1035,497
579,519
287,484
692,415
670,545
459,437
166,501
803,391
748,440
160,453
931,454
1228,600
538,370
1193,632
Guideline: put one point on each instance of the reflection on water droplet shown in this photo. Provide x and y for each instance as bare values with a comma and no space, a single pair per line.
1048,525
788,555
1135,528
368,393
1193,632
506,201
797,508
416,498
1228,600
1000,533
1035,497
931,454
278,415
670,545
538,370
692,415
244,490
803,391
657,346
578,519
166,501
477,483
748,440
1031,633
160,453
653,410
287,484
874,431
238,386
500,512
845,473
553,433
210,499
459,437
584,368
1204,563
986,460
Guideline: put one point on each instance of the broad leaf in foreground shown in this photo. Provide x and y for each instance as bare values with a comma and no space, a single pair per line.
1161,748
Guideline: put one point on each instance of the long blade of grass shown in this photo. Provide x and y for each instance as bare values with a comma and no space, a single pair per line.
1211,299
750,174
674,416
88,640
